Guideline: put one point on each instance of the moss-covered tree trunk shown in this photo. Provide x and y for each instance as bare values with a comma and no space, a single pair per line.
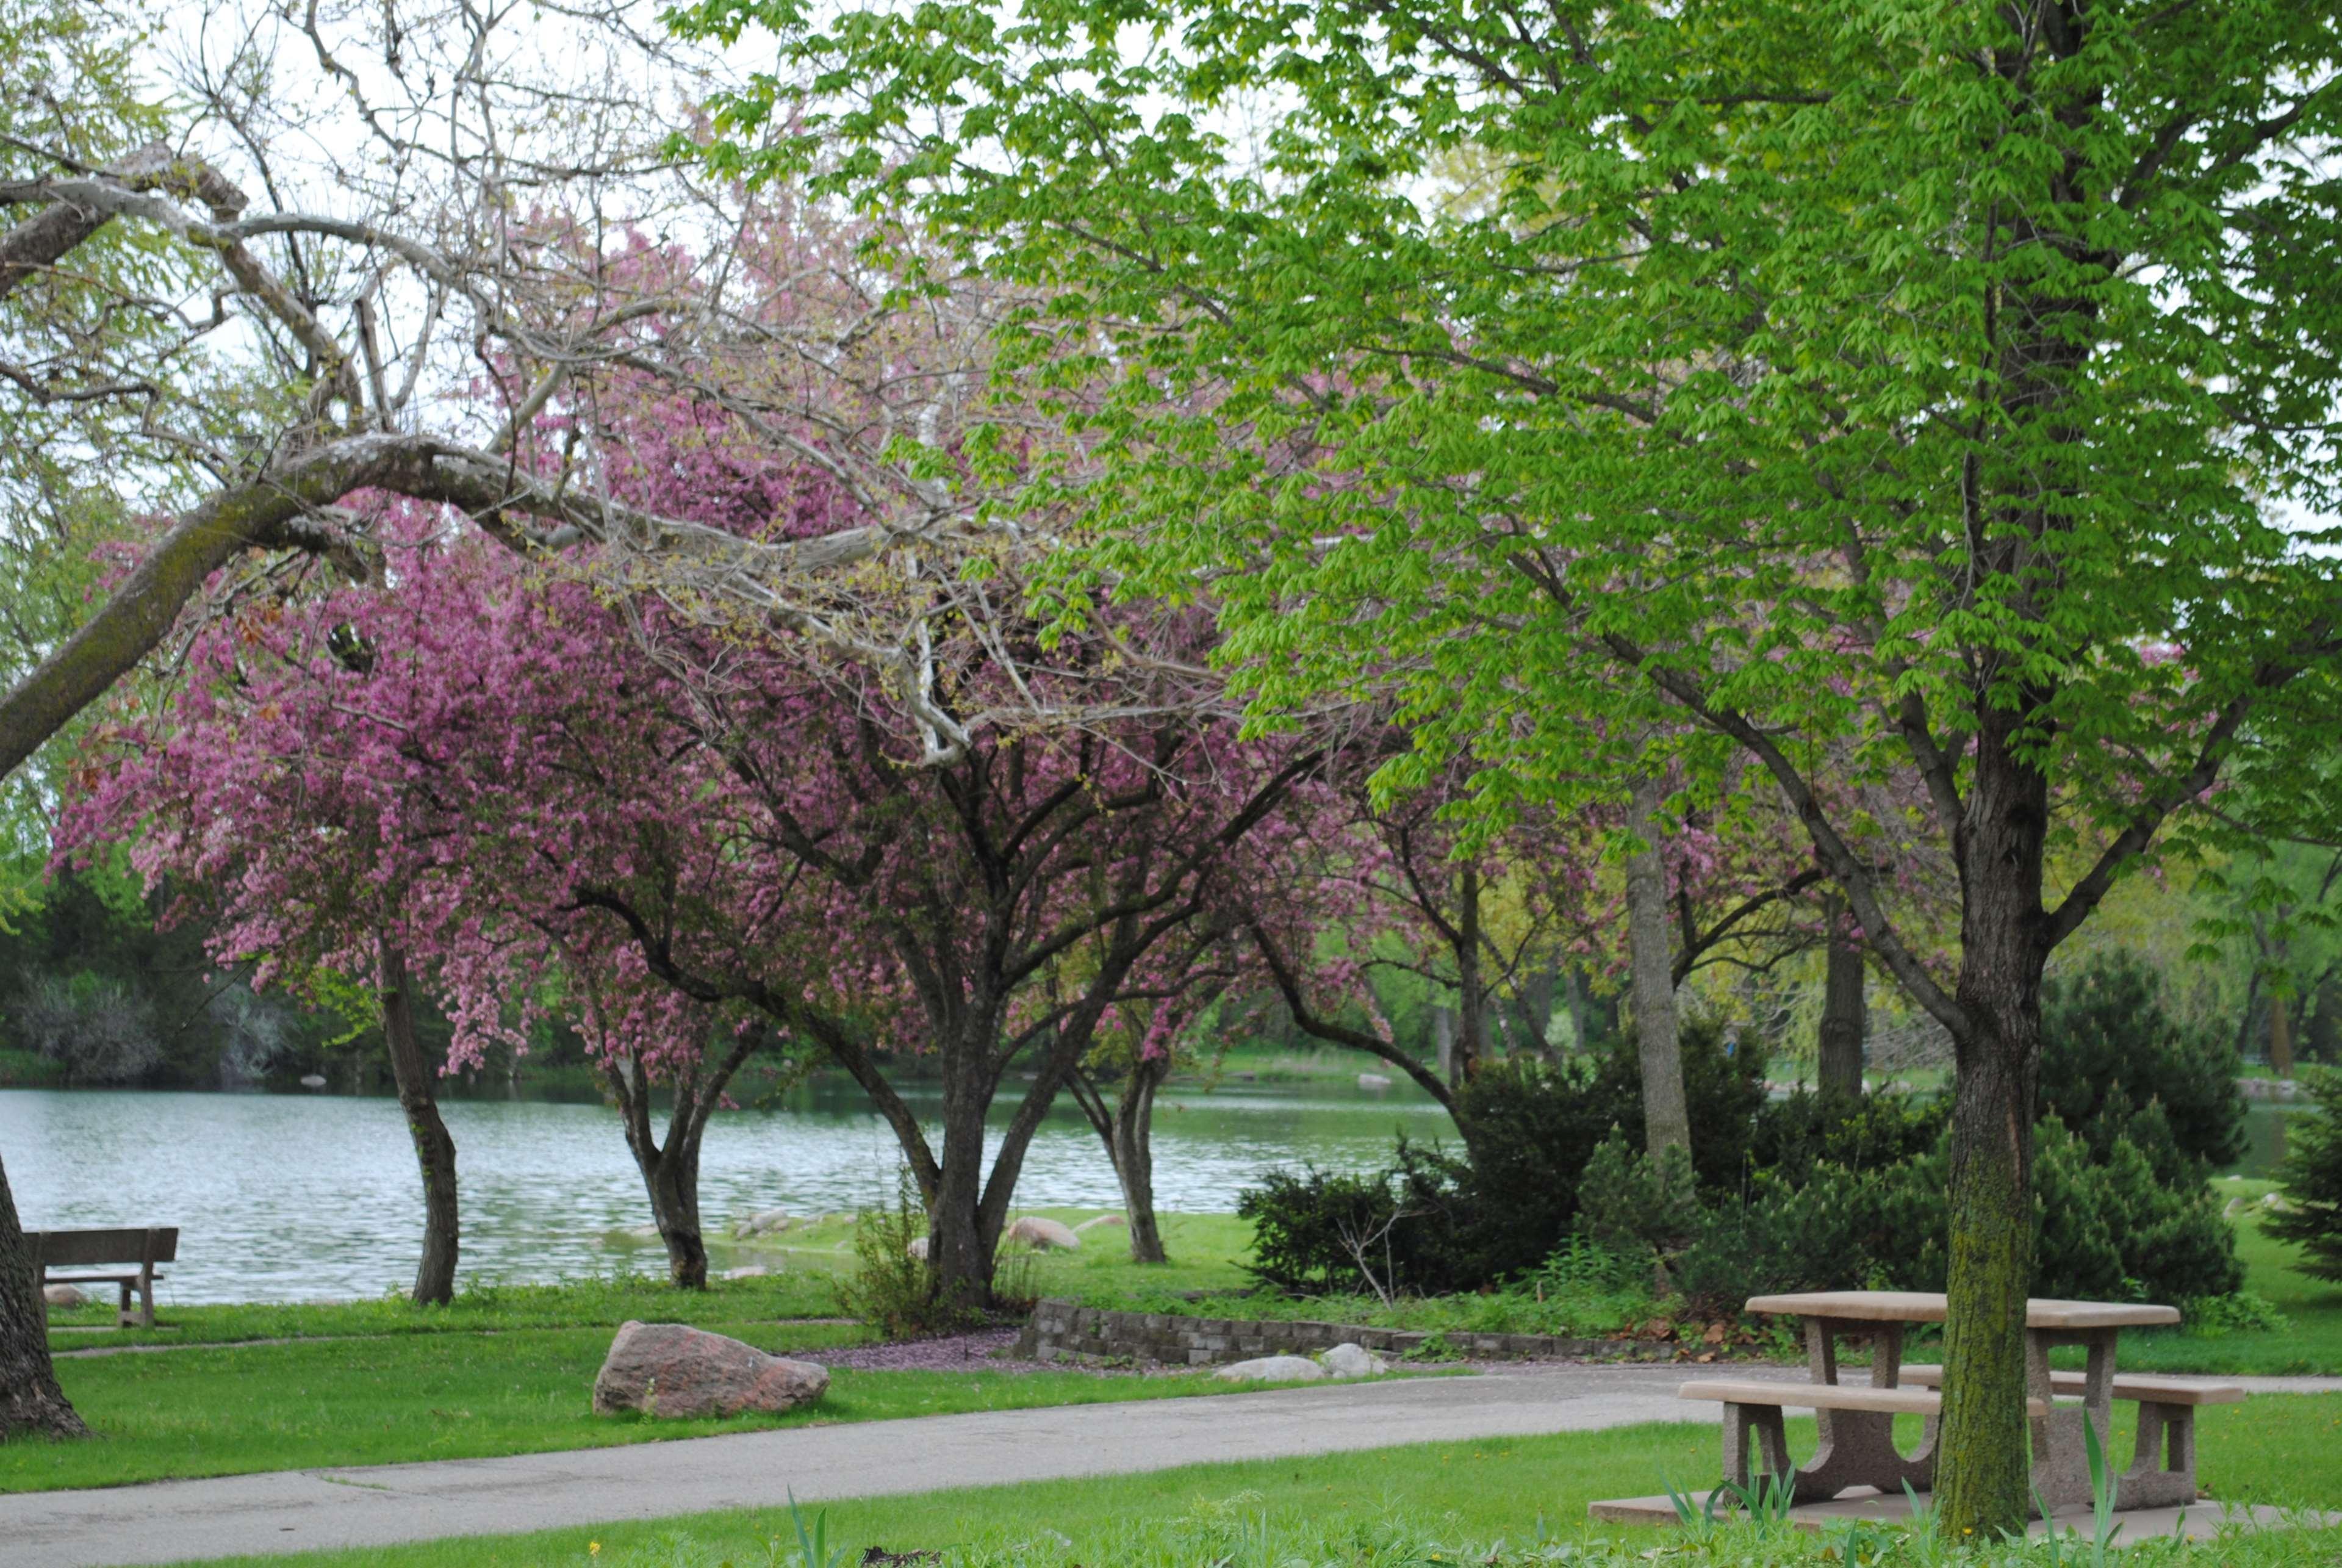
435,1146
1981,1475
31,1403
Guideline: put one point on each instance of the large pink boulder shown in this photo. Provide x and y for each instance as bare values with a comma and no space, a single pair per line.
669,1369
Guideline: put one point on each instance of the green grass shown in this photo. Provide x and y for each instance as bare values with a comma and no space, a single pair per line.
2287,1451
577,1303
231,1410
2310,1343
1207,1253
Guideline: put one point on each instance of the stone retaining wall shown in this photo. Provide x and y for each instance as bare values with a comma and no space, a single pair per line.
1067,1331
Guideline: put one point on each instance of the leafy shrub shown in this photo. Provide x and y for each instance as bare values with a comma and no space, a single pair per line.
2117,1064
1861,1132
2312,1177
2108,1231
888,1287
1724,1089
1305,1224
2212,1317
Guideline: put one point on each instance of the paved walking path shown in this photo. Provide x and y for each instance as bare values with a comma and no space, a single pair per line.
291,1510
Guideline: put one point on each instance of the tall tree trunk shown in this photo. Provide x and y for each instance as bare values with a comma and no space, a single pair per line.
31,1403
670,1169
1126,1128
435,1150
1982,1484
1535,1005
1471,994
1666,1117
2280,1046
1839,1069
960,1252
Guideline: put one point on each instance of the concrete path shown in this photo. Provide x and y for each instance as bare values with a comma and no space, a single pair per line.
291,1510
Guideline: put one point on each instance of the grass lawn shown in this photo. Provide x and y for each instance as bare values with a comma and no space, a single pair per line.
2310,1343
387,1400
2285,1450
579,1303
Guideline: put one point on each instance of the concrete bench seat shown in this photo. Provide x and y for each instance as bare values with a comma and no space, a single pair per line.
2144,1387
1857,1446
1828,1396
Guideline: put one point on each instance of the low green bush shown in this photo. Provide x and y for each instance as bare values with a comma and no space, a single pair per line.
2110,1229
888,1287
2118,1065
2312,1179
1442,1222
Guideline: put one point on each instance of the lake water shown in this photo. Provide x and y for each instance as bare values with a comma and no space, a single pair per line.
299,1197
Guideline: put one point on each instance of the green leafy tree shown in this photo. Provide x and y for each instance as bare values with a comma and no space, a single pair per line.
1872,388
2312,1175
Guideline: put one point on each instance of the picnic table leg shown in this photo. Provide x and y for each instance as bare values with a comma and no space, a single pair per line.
2061,1457
1857,1446
2162,1472
1755,1432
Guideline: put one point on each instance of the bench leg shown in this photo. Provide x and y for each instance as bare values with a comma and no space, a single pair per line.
147,1297
122,1318
1756,1443
2162,1472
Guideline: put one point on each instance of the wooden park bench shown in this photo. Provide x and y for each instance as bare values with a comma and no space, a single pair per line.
2163,1466
100,1249
1857,1450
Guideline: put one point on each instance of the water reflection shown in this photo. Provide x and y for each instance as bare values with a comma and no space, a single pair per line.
294,1197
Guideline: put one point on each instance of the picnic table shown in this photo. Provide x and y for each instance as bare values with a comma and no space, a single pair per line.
1858,1422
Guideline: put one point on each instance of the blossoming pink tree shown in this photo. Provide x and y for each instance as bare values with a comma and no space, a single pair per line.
516,772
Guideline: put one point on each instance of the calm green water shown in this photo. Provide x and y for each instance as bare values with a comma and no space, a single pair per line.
296,1197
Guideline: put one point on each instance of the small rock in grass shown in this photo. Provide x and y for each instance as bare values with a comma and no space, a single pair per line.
1373,1080
1353,1360
1272,1369
64,1296
1043,1235
671,1371
918,1248
745,1272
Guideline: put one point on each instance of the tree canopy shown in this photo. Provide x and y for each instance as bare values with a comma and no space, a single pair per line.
1867,388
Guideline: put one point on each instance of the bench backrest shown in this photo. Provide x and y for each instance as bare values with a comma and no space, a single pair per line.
84,1249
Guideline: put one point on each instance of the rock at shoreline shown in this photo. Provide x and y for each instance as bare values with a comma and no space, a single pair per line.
64,1296
670,1370
745,1272
1353,1360
313,1081
768,1222
1043,1235
1373,1080
1272,1369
